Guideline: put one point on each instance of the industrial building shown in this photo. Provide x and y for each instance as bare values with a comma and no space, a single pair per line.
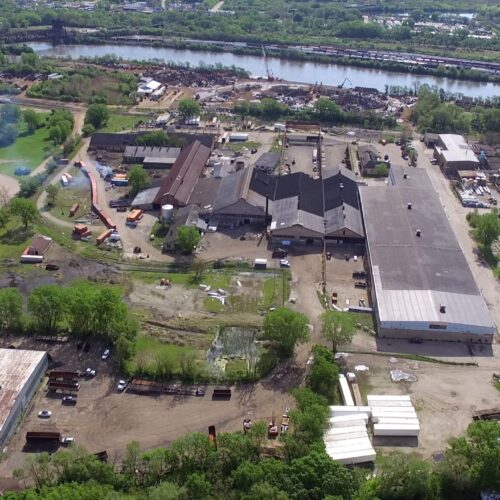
177,186
421,284
307,211
151,157
185,216
453,153
267,162
21,372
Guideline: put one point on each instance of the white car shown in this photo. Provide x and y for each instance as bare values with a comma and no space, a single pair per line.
90,373
68,440
105,354
45,414
122,384
350,133
284,263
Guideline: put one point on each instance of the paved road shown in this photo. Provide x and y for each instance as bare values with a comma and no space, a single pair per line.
488,285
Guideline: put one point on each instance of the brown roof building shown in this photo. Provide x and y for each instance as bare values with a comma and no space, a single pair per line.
178,185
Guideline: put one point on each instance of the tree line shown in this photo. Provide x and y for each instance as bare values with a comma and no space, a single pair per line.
432,113
83,310
324,110
239,467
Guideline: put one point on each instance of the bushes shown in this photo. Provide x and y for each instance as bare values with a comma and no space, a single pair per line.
324,374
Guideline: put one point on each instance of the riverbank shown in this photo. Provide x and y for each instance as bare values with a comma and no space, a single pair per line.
441,67
299,70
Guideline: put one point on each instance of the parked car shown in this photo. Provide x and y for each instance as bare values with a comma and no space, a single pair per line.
279,254
105,354
284,263
69,400
44,414
90,373
122,384
68,440
200,392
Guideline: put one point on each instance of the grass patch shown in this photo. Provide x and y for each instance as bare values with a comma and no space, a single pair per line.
497,385
14,238
213,305
119,122
150,350
79,193
28,151
159,230
276,290
239,146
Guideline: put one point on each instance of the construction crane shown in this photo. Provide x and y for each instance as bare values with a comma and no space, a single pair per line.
341,86
270,77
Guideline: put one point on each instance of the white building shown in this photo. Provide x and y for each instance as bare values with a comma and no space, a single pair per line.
453,153
21,372
148,87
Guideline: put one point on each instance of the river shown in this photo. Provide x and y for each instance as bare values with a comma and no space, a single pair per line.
294,71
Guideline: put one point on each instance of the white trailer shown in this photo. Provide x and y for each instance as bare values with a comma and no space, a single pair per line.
410,430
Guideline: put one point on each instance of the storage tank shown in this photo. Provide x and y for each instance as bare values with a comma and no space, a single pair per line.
167,212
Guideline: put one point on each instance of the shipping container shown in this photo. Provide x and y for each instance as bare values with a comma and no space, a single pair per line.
74,209
64,181
100,239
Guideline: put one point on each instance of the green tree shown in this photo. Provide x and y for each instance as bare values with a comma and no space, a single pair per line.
11,309
337,327
97,115
24,209
4,216
406,477
10,113
47,306
264,490
156,138
32,120
327,110
138,179
52,191
188,108
188,238
28,186
87,130
198,487
286,328
472,462
323,375
488,228
272,109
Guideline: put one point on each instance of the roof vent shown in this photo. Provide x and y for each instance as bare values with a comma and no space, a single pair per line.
341,186
442,308
419,233
409,206
405,176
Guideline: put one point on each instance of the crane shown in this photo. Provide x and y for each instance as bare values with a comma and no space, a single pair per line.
270,77
343,83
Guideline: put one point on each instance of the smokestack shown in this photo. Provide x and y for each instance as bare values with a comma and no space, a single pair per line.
419,233
409,206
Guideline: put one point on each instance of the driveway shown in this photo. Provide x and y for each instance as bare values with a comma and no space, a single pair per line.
9,186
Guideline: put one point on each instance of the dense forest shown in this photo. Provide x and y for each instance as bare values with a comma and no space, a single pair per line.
279,21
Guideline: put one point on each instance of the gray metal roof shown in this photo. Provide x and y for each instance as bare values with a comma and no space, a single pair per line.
286,214
413,275
145,197
231,189
343,217
268,160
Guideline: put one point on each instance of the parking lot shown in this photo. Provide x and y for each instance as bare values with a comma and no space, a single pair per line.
339,276
106,419
303,157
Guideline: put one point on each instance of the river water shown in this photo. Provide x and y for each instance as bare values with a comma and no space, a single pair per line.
295,71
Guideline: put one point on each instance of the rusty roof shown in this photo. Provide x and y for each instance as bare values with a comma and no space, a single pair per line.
16,367
180,182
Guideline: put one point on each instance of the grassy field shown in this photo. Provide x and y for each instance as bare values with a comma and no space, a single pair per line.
149,351
239,146
77,192
14,238
118,122
28,151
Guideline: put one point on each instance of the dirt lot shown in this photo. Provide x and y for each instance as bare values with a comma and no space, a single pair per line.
104,419
444,396
10,186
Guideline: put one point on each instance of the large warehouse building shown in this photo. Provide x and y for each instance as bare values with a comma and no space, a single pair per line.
421,284
20,374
